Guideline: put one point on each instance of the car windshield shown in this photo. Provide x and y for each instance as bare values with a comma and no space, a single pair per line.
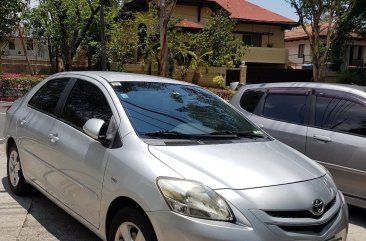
161,110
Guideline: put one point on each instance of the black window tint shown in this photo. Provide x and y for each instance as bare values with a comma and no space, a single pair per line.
250,100
340,115
284,107
47,96
86,101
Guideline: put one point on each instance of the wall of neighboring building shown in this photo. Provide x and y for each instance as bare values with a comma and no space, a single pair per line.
355,53
296,60
191,13
14,59
36,50
271,35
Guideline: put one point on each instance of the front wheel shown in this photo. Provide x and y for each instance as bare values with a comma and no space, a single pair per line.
17,183
130,224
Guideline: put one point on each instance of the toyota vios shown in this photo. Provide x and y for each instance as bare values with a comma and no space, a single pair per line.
136,157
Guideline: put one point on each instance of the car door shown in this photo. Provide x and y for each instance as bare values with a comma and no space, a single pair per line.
336,138
76,177
36,121
283,113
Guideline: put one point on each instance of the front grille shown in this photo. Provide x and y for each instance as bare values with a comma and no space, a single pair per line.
300,213
309,229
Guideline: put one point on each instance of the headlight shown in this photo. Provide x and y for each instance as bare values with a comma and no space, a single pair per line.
194,199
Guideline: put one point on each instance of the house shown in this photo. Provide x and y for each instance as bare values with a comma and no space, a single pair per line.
260,29
14,57
296,41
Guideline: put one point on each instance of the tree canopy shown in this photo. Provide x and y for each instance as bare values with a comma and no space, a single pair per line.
318,17
9,17
354,21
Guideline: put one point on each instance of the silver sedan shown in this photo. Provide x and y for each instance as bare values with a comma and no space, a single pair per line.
144,158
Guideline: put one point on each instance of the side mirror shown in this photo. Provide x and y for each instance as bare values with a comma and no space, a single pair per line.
95,128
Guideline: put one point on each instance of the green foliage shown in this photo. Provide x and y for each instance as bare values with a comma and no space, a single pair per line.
218,80
225,94
16,85
353,76
351,22
134,35
66,25
218,36
9,16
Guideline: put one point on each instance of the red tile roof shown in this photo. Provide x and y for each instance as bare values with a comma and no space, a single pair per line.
299,33
246,11
185,23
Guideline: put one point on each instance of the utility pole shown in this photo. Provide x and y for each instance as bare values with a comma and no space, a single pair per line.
102,37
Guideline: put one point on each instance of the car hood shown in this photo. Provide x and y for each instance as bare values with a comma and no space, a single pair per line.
239,165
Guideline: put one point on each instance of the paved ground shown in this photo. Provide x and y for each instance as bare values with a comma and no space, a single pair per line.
36,218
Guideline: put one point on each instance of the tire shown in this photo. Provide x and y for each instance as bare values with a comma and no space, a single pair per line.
133,220
17,183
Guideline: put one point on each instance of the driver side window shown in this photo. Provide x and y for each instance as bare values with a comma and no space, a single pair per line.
86,101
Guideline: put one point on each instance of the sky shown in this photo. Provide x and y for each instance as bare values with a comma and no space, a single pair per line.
278,6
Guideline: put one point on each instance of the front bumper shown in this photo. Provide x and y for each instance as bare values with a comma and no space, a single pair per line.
170,226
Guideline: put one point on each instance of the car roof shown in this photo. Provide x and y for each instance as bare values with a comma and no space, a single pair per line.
112,76
331,86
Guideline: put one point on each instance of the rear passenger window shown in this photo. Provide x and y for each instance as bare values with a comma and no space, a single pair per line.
285,107
48,95
250,99
86,101
340,115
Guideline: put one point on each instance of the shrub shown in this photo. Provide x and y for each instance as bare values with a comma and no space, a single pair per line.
218,80
13,86
226,94
353,76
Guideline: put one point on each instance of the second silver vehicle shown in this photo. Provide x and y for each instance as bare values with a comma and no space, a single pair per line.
143,158
326,122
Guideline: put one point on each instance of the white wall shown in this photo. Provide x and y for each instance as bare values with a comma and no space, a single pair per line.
39,52
293,48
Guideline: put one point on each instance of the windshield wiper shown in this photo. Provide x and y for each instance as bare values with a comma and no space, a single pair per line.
168,134
247,134
175,134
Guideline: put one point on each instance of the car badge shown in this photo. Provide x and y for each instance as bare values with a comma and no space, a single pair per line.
318,207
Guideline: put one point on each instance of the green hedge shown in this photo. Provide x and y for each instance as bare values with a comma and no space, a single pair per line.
13,86
226,94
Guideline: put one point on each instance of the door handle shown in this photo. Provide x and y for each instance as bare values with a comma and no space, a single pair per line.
260,125
53,138
322,138
23,122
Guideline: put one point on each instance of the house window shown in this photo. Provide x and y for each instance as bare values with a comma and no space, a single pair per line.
252,39
301,51
30,44
11,43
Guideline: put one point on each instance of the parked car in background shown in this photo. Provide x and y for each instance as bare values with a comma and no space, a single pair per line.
144,158
326,122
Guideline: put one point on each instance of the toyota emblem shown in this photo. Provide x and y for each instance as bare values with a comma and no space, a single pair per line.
318,207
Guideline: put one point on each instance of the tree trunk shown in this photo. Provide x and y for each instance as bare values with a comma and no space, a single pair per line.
25,49
163,25
57,59
1,62
51,56
165,10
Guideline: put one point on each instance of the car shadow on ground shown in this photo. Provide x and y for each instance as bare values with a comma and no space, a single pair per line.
357,216
47,221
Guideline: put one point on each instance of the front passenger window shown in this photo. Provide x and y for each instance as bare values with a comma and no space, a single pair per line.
86,101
